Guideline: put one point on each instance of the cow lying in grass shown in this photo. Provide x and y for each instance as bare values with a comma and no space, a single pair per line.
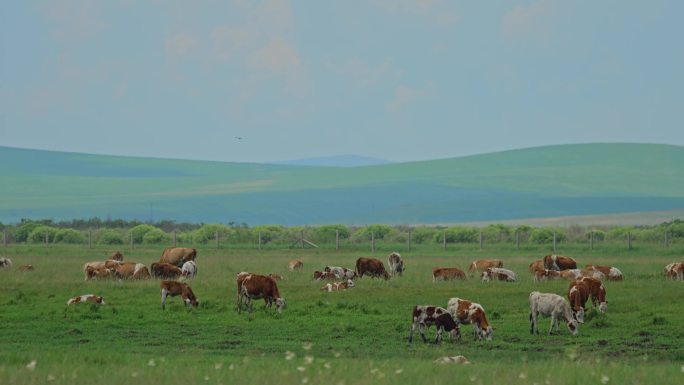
498,274
92,298
338,286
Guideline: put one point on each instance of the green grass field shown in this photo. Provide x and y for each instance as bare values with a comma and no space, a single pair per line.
352,337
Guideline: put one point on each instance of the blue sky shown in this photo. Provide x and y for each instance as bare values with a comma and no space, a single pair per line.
394,79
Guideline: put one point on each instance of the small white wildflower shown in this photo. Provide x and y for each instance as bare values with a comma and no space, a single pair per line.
301,368
134,374
522,375
327,366
151,363
231,367
472,378
337,354
289,355
206,378
218,365
50,377
307,345
682,368
31,365
399,371
305,380
308,360
604,379
374,370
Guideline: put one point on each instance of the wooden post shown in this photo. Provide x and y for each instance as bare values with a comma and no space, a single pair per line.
217,239
174,238
90,238
301,238
47,240
444,241
337,239
591,240
259,240
4,237
629,241
480,240
554,241
409,239
373,241
517,240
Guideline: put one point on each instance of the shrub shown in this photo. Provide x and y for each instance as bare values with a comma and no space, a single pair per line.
327,233
545,235
599,235
364,233
38,234
22,232
269,233
110,237
458,234
156,237
69,236
208,232
496,233
618,233
138,232
423,234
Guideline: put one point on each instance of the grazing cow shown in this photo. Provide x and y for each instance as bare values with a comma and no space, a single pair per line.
341,272
426,316
536,265
447,273
295,264
578,294
175,288
612,273
337,286
597,293
178,255
467,312
86,298
321,275
26,268
549,304
256,286
571,274
189,270
238,280
675,271
543,275
559,262
5,263
481,265
395,263
128,270
497,273
592,273
97,272
165,270
117,256
371,266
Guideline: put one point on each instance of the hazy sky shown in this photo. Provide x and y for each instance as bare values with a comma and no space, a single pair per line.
394,79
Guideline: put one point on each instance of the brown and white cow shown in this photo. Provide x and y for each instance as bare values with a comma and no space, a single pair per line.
571,274
447,273
578,294
597,293
371,266
424,316
674,271
481,265
178,255
99,265
611,273
96,299
559,262
165,270
97,273
338,286
5,263
255,286
295,264
189,270
322,275
549,304
545,274
592,273
498,274
175,288
396,264
128,270
340,272
467,312
536,265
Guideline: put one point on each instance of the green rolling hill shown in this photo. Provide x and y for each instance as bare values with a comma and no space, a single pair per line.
537,182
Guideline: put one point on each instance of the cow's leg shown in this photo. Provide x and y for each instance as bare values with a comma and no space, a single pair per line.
421,329
438,337
554,320
411,331
164,293
534,327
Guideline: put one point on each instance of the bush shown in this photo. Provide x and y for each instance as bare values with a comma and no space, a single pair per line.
138,232
545,235
69,236
326,234
269,233
110,237
156,237
599,235
364,233
38,234
423,235
619,233
208,232
458,234
496,233
22,232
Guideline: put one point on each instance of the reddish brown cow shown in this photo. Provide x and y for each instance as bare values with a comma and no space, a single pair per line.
612,273
371,266
597,292
536,265
447,273
321,275
128,270
559,262
674,271
175,288
165,270
178,255
543,275
256,286
481,265
578,294
97,273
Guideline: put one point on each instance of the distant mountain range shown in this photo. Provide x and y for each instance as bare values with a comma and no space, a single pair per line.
337,161
539,182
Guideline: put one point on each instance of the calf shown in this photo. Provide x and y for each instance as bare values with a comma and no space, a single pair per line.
571,274
578,294
321,275
97,273
275,276
559,262
295,265
96,299
99,265
467,312
175,288
337,286
481,265
675,271
592,273
189,270
128,270
165,270
396,264
536,265
371,266
612,273
426,316
497,274
447,273
549,304
256,286
597,293
340,272
543,275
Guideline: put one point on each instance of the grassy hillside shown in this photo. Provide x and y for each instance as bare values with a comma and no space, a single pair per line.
537,182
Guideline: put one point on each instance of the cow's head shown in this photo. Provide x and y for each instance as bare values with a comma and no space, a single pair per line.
603,306
455,334
573,326
280,304
486,275
578,315
350,283
487,333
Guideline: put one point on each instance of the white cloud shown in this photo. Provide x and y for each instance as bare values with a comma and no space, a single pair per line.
527,20
403,96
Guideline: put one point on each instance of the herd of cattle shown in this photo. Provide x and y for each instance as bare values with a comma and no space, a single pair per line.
177,265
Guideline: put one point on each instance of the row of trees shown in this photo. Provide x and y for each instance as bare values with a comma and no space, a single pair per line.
161,233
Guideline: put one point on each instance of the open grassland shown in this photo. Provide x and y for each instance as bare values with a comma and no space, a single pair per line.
358,336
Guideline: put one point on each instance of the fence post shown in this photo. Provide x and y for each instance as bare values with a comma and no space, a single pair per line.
301,238
373,241
554,241
259,240
90,238
629,241
480,240
217,239
517,240
409,239
337,239
47,240
4,237
444,241
591,240
174,238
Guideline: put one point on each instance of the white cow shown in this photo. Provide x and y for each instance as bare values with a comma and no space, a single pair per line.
396,264
549,304
498,273
189,269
